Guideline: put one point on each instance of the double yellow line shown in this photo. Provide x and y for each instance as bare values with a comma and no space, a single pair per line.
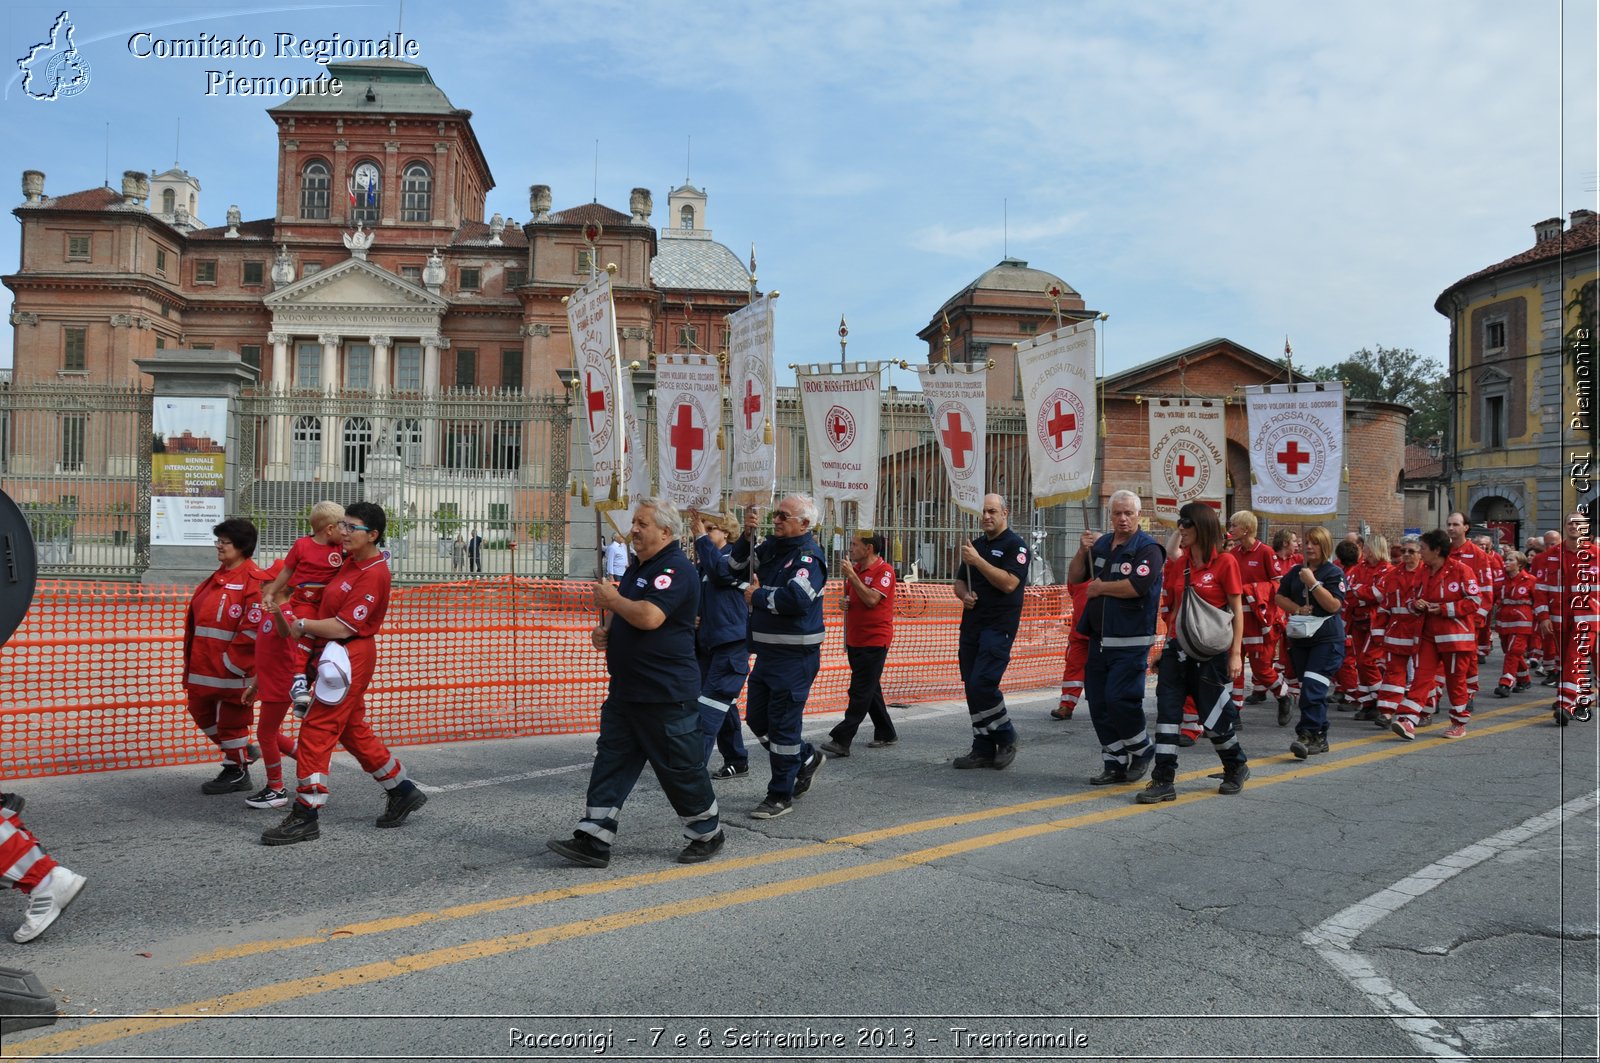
298,990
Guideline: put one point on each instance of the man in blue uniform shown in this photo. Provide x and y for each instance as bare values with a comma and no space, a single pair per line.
1123,568
786,577
989,584
720,642
650,712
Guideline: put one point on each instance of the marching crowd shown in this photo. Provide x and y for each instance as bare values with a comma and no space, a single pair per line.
1397,633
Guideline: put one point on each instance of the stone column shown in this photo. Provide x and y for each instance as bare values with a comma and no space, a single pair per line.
278,428
380,363
431,346
180,373
329,383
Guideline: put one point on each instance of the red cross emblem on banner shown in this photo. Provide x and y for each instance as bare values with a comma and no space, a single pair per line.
957,440
1292,457
1184,470
595,398
751,404
1061,423
838,427
687,440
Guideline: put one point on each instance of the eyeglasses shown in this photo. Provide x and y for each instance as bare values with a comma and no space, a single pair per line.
224,542
347,526
1185,522
781,515
1412,551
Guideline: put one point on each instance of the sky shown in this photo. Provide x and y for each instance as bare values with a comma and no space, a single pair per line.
1243,168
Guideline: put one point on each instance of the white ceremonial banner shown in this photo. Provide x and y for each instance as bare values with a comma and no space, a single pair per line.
1058,399
596,360
959,410
1296,448
1188,455
755,448
635,466
842,413
688,415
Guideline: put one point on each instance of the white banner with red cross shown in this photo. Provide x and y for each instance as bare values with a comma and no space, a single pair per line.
1296,448
596,361
959,408
635,466
1188,455
842,413
1058,400
755,448
688,417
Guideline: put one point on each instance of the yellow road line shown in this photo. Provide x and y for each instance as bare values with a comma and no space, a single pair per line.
720,867
367,974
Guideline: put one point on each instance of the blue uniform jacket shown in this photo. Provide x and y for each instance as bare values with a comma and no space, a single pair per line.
724,617
786,609
1122,623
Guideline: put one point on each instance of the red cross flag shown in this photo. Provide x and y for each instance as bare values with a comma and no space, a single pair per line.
1058,399
755,448
958,405
1188,455
688,413
597,366
1296,448
842,414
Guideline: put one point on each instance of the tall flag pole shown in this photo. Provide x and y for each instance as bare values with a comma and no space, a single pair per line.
597,366
750,377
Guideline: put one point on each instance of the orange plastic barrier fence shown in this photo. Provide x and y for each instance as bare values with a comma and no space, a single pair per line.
91,680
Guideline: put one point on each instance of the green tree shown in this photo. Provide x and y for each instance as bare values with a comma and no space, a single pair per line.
1392,374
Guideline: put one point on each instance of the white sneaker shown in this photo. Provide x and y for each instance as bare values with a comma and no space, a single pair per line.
47,901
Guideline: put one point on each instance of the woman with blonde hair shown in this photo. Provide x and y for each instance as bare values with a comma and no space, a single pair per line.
1311,595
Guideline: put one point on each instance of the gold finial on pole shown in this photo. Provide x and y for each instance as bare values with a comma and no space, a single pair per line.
946,337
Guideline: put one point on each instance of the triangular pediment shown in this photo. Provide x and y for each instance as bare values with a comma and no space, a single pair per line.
1490,376
356,283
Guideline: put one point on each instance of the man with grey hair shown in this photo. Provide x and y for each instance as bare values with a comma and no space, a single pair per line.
989,585
650,713
786,577
1123,570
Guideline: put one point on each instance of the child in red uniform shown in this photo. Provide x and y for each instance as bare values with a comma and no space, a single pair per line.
1259,575
350,613
1515,624
299,578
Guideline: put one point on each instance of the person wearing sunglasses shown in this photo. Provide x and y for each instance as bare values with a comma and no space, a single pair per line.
785,577
1398,587
1449,604
345,654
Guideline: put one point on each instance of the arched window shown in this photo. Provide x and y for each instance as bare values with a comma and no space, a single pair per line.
366,184
169,202
305,451
314,191
686,217
357,441
416,203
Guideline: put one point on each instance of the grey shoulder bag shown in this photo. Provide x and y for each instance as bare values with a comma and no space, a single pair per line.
1202,630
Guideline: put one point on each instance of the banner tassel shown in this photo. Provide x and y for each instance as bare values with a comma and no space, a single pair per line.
720,445
766,435
585,494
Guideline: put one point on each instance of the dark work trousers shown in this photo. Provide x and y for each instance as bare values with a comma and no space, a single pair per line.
722,674
1316,663
1113,683
780,682
983,654
866,696
667,736
1178,677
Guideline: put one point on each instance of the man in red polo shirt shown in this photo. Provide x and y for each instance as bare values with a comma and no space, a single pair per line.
868,629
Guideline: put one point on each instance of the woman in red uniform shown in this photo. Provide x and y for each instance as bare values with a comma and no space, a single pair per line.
1367,622
1259,575
1515,624
1397,589
350,613
1448,605
219,652
1214,575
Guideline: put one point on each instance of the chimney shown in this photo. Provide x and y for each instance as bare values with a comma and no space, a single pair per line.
1547,230
32,186
538,202
130,188
640,204
1582,217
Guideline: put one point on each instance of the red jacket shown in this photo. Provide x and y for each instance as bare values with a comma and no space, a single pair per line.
1258,571
219,631
1471,555
1396,591
1454,586
1516,605
1567,584
1365,588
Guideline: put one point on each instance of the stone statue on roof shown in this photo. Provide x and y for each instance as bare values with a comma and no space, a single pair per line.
358,241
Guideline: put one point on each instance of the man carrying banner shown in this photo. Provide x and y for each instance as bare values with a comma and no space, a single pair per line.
1123,595
989,585
786,577
720,644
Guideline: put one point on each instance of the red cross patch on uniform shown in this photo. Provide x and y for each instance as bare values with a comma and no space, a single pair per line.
236,610
663,581
1143,570
1454,587
1022,557
359,612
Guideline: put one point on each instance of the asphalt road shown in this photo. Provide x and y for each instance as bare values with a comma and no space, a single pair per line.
1386,901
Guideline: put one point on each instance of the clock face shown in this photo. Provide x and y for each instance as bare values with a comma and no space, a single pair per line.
366,176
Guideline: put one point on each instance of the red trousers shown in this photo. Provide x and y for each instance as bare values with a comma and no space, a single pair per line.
269,732
1431,666
1369,655
23,861
1259,655
1576,652
225,722
1516,666
326,726
1072,673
